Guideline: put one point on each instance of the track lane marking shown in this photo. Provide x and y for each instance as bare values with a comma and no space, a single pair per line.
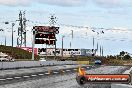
75,69
2,79
26,76
33,75
68,70
9,78
55,72
40,74
17,77
46,73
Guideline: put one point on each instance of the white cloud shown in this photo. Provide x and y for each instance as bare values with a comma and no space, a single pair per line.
102,3
14,2
64,2
113,3
50,2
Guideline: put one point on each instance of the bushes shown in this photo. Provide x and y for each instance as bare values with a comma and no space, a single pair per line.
17,53
116,62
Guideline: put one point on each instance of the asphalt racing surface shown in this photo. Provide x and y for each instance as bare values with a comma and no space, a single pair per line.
57,80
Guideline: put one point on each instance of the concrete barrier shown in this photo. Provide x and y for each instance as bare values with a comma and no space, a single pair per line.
83,62
27,64
120,86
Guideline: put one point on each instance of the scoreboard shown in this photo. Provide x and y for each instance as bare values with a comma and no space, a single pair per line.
41,35
42,41
46,34
48,29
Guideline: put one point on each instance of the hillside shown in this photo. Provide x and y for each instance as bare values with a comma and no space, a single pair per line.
17,53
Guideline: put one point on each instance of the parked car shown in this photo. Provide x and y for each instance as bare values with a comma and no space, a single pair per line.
3,57
98,62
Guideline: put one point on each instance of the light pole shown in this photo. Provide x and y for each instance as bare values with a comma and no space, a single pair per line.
72,38
4,31
1,30
13,24
62,46
5,39
55,47
4,35
33,43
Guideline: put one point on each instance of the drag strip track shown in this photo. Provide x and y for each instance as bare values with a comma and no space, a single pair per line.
66,80
38,75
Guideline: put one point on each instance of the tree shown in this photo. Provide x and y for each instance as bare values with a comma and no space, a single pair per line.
122,53
126,57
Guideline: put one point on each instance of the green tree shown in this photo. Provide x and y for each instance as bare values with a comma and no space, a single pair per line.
126,57
122,53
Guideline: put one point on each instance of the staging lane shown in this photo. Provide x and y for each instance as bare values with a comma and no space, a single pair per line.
9,79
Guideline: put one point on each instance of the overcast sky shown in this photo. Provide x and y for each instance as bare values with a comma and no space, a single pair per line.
114,16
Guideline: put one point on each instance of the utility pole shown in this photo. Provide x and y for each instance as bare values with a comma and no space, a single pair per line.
20,29
102,51
53,20
24,28
33,44
5,36
96,50
12,32
4,32
21,40
72,34
5,40
46,52
1,30
12,37
71,39
62,46
93,43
